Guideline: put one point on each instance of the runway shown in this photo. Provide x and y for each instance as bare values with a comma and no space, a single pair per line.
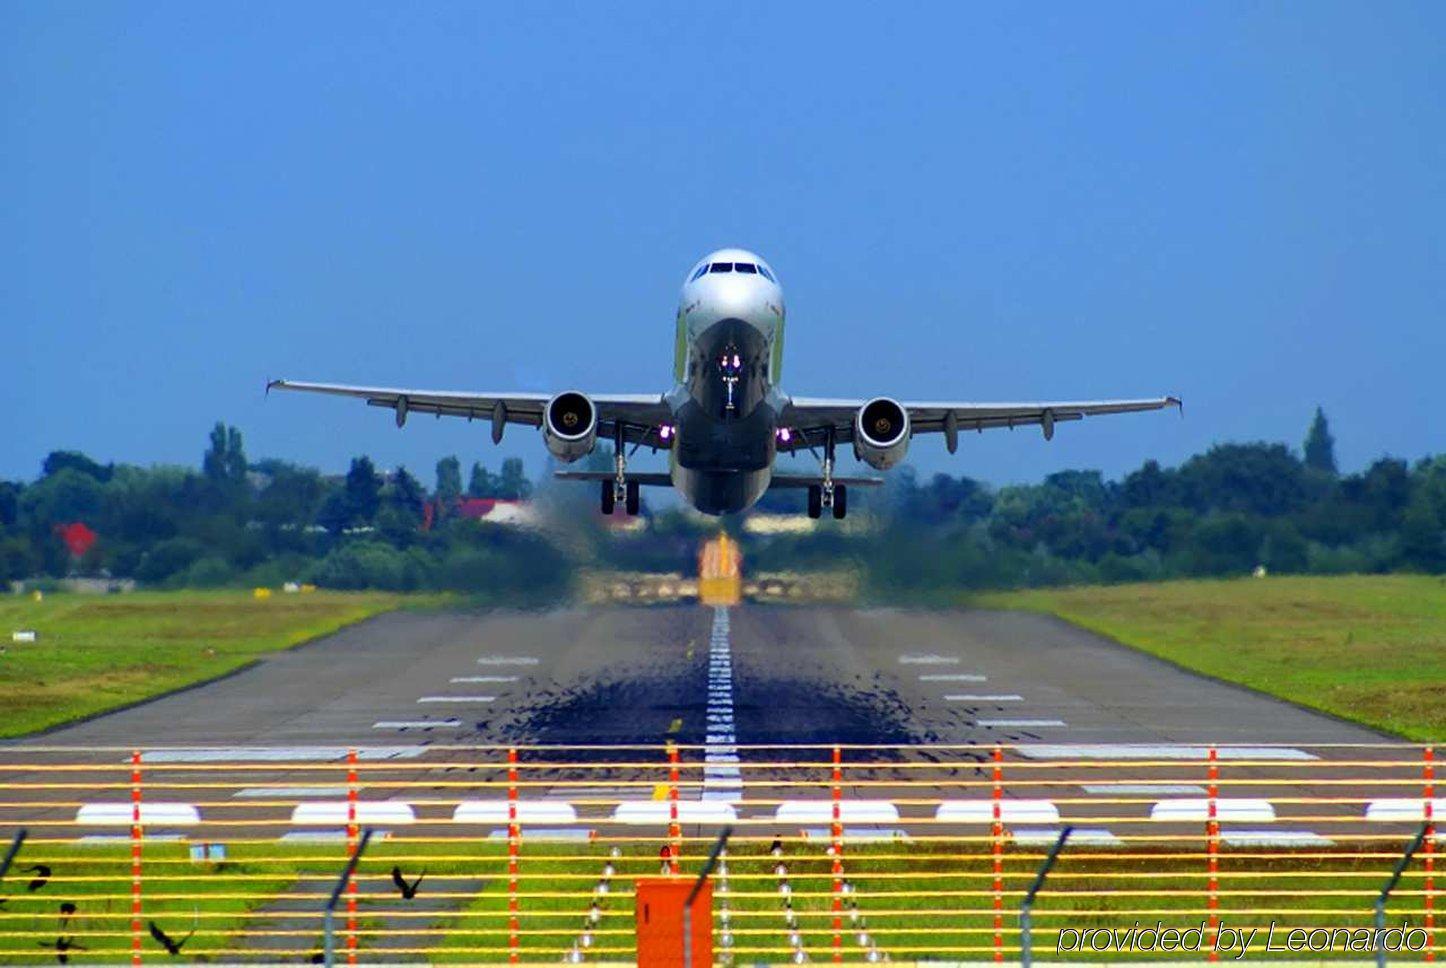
799,675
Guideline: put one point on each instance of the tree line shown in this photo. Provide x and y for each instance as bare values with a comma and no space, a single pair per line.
234,521
241,522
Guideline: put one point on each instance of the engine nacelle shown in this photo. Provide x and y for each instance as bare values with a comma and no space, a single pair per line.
569,426
881,433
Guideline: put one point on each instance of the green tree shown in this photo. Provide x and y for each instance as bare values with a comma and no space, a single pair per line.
481,483
363,490
59,460
512,484
449,480
225,459
1320,446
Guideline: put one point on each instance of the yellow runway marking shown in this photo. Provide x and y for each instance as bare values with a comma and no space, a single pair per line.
676,725
660,791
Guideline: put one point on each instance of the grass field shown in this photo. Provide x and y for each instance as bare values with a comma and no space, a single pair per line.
1368,648
98,652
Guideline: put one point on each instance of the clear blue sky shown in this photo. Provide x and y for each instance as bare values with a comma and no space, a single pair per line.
1239,203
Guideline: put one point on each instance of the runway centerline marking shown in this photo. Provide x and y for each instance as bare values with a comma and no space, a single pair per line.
929,659
484,679
508,660
1021,722
722,778
417,724
953,677
457,699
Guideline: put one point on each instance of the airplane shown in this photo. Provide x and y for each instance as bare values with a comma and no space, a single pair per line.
726,417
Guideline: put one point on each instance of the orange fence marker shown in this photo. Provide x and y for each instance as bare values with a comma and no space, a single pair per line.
1428,773
675,832
351,839
514,834
135,857
998,854
1212,849
837,854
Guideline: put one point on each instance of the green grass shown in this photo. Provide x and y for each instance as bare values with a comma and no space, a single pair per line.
1367,648
98,652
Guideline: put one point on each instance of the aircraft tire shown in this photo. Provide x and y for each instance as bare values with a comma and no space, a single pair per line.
815,501
609,499
840,501
632,498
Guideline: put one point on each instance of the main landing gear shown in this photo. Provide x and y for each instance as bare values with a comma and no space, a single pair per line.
620,488
828,494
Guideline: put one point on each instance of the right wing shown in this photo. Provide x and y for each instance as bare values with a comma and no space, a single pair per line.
639,414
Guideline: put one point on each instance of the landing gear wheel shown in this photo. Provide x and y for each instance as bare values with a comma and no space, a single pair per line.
815,501
609,499
840,502
631,498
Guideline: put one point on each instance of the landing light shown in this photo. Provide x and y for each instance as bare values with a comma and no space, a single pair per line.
784,434
665,431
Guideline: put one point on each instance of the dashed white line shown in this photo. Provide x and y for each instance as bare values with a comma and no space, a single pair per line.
508,660
417,724
484,678
1021,722
466,699
722,778
953,677
929,659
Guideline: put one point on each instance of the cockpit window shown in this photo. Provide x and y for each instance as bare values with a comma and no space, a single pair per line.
763,270
721,267
744,267
699,274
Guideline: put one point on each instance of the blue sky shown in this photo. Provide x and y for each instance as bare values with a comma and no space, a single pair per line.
1239,203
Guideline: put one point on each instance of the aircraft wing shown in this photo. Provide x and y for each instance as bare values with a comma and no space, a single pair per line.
812,417
639,414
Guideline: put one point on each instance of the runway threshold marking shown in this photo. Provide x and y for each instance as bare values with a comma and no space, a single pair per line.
1149,751
722,777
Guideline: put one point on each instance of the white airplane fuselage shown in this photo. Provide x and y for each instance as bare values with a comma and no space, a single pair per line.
725,404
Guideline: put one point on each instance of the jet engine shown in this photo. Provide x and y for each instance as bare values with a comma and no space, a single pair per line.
569,426
881,433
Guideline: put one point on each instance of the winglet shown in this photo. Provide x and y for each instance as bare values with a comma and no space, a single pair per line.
1178,403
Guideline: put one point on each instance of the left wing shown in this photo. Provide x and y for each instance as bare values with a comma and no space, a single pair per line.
638,414
814,416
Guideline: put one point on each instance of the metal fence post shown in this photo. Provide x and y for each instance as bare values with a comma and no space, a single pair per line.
514,836
1212,851
675,831
1428,775
1026,910
997,834
12,850
1390,886
328,926
708,866
837,837
351,844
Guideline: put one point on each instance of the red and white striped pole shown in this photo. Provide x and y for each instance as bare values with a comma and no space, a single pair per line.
514,836
1212,849
837,854
1428,774
135,857
675,831
998,854
352,833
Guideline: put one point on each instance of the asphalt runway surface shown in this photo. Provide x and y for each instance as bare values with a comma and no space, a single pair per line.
799,675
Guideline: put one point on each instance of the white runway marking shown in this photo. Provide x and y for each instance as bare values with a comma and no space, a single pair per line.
953,677
1021,722
1145,751
116,814
1274,838
472,699
1143,789
282,754
1404,810
1010,811
292,792
367,811
849,811
528,811
1197,809
1082,836
929,659
720,782
417,724
972,697
484,678
508,660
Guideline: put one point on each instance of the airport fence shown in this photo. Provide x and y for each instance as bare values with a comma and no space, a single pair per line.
839,852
